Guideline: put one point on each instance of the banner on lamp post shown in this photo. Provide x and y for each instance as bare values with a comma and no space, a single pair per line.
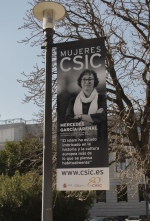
82,140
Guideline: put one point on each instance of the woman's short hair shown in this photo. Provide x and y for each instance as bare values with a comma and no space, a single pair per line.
87,71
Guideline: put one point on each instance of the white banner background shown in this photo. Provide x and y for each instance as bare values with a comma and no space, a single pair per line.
88,179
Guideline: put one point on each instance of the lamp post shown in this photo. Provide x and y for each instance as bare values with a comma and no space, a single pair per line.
147,198
48,12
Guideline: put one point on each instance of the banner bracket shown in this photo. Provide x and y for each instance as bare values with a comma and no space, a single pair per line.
53,46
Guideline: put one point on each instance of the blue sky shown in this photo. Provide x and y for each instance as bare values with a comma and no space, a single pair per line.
15,58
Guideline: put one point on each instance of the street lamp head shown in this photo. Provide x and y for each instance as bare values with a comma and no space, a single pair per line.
49,12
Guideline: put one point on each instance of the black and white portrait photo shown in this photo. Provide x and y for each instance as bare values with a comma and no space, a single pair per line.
88,106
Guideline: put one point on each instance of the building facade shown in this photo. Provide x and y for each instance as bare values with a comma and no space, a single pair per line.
16,129
127,203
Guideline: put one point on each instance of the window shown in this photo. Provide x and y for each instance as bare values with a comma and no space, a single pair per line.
143,217
41,139
101,196
138,129
109,219
141,188
122,218
120,162
121,193
138,166
142,195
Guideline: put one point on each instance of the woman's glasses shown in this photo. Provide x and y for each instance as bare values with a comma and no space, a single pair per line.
88,79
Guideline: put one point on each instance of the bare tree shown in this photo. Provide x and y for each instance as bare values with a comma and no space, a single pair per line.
126,28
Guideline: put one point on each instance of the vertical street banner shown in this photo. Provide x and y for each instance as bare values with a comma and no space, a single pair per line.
82,141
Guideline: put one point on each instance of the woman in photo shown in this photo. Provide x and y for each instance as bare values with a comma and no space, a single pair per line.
88,106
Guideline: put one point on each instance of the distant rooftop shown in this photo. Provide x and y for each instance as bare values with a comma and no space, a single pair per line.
19,120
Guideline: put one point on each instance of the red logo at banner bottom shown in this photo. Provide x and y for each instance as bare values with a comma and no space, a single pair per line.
64,185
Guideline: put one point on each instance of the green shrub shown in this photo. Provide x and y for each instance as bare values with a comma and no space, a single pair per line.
70,208
23,156
20,197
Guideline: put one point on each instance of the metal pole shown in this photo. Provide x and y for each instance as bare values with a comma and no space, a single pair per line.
147,204
147,200
47,212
